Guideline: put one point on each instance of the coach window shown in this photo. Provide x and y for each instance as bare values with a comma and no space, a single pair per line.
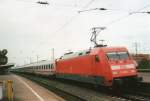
49,66
52,66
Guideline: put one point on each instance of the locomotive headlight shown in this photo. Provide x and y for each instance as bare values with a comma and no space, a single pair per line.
129,66
115,67
115,72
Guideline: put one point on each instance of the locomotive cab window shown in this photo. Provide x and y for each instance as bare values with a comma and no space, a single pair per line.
123,55
112,56
117,55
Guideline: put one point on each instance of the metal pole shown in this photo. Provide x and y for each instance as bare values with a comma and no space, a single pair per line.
30,59
37,57
53,56
136,48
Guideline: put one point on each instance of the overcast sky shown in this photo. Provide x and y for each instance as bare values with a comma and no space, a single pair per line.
28,29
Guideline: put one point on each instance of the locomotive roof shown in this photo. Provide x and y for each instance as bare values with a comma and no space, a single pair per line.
75,54
111,49
92,51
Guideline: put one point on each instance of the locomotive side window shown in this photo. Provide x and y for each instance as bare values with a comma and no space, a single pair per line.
80,53
87,52
97,58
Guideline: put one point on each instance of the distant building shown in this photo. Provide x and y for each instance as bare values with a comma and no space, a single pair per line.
140,57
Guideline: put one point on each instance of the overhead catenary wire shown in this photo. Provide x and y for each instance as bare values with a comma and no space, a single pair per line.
73,17
86,6
121,18
126,16
69,21
116,20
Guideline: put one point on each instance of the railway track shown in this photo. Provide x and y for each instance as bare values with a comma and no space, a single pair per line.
77,92
140,92
143,70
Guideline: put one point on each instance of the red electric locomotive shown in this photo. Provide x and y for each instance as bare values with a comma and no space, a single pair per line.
106,66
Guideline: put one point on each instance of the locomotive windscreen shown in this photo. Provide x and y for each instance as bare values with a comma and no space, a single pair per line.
117,55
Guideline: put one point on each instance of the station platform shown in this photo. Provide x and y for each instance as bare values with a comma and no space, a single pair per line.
146,76
26,90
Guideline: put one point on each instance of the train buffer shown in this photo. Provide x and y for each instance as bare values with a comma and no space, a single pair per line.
6,90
